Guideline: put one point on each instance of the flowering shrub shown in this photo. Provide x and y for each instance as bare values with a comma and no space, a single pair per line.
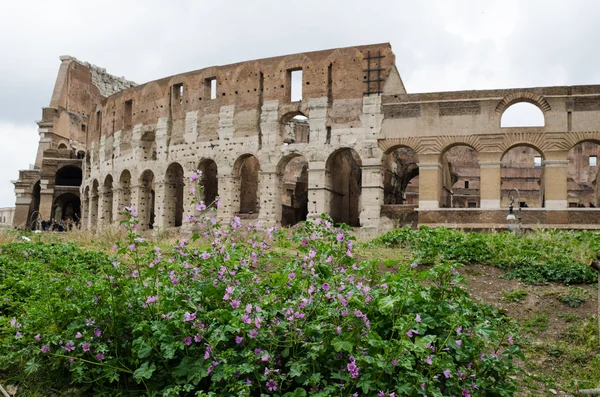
245,316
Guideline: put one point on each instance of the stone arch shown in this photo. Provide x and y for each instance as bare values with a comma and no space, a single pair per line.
460,176
124,191
62,146
292,194
400,173
94,200
173,197
107,200
210,181
523,96
34,205
344,183
147,200
246,182
582,174
522,168
294,127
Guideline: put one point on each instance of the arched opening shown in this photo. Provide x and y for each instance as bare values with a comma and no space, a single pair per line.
344,179
295,128
523,169
246,171
124,191
582,175
107,200
147,200
460,178
210,181
173,201
94,204
62,146
522,114
400,176
66,210
293,173
34,206
69,175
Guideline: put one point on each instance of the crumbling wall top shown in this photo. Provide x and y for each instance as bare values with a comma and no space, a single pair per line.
106,83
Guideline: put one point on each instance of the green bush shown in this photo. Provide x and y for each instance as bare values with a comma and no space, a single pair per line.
219,322
541,256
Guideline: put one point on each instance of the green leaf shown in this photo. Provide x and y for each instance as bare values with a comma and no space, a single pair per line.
296,393
144,372
339,344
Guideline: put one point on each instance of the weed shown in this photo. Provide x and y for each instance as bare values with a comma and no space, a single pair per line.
516,295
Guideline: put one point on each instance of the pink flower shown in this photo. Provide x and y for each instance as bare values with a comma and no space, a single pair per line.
45,349
97,332
459,343
37,337
253,333
340,236
510,339
78,335
271,385
418,318
188,341
85,347
325,287
447,373
100,356
151,299
239,340
189,317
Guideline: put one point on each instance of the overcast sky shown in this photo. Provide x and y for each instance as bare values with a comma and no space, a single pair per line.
439,45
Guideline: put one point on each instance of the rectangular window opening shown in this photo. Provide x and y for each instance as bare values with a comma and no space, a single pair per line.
99,121
593,161
466,184
210,87
330,83
295,84
328,136
471,204
128,114
537,161
177,93
83,127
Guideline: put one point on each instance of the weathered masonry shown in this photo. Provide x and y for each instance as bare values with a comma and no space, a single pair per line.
284,139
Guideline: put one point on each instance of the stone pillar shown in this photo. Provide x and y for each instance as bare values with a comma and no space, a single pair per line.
555,183
490,184
371,196
160,210
46,198
229,192
93,212
85,205
318,193
102,207
116,205
270,185
430,181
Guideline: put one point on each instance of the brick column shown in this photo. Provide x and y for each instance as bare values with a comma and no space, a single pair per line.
430,181
555,183
229,192
489,184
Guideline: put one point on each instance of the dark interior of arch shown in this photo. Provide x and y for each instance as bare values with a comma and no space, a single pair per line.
210,181
346,181
249,185
294,194
66,207
174,200
147,205
69,176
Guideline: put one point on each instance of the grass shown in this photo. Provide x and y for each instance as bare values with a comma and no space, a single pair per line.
516,295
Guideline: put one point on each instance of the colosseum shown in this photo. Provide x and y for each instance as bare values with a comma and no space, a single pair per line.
283,139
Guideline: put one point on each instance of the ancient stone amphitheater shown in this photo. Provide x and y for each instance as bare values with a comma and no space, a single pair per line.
283,139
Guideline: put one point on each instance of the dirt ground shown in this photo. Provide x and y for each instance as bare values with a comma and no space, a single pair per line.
546,322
